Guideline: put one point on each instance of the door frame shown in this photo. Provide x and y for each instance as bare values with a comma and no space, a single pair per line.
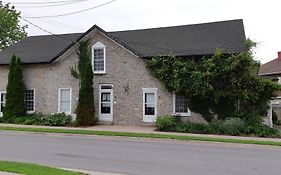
1,92
149,118
106,117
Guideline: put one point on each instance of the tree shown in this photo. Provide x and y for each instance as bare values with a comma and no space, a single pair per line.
85,108
10,29
15,105
222,85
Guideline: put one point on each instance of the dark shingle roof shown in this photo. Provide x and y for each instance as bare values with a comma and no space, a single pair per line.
270,68
187,40
38,49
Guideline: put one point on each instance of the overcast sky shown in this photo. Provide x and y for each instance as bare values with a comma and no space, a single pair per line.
261,17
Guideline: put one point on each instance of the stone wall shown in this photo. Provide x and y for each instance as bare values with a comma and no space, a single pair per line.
124,70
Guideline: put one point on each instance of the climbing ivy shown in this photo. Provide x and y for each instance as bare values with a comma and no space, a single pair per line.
85,108
219,86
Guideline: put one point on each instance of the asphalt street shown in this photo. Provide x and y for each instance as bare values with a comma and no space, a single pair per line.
136,156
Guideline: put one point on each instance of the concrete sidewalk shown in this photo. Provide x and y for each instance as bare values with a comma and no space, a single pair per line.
75,170
6,173
141,129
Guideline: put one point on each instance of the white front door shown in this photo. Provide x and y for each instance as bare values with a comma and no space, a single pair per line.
2,102
106,102
149,104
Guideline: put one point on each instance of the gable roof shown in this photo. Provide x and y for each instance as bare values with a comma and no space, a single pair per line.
272,67
186,40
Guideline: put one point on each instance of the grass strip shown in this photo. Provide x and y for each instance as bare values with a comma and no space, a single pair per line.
143,135
32,169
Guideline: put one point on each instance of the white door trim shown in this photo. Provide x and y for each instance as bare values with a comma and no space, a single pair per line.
150,118
1,92
106,117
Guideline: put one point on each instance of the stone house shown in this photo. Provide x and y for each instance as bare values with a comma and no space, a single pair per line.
272,70
125,92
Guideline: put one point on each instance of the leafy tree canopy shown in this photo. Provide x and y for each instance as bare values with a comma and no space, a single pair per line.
10,29
218,85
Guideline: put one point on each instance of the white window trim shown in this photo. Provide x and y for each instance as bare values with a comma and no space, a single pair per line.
99,45
1,114
31,112
184,114
149,90
59,94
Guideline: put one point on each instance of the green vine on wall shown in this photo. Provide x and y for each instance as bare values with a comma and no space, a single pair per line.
218,85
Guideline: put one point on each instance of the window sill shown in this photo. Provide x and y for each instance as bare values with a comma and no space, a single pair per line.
99,73
182,114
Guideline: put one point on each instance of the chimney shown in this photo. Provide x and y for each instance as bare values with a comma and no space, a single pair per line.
279,55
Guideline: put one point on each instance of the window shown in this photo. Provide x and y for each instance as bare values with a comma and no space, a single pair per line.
2,102
180,105
149,104
30,100
98,58
65,100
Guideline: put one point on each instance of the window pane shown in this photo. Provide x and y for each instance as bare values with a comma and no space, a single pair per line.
149,110
181,104
65,106
65,94
149,104
105,108
98,59
65,100
149,98
29,100
105,97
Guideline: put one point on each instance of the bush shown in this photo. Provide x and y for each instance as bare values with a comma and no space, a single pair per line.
57,119
167,123
230,126
234,126
33,119
263,131
198,128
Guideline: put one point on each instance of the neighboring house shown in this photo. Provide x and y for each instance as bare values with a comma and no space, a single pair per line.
272,70
124,90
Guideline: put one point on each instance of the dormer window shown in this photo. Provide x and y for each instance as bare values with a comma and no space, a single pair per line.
98,58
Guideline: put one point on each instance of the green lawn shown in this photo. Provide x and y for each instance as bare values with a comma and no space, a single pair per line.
32,169
143,135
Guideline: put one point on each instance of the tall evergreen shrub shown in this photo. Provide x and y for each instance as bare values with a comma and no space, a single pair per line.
15,105
85,108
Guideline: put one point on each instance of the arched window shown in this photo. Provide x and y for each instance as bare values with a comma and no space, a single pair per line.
98,58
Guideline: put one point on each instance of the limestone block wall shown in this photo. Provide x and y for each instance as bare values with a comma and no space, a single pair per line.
124,70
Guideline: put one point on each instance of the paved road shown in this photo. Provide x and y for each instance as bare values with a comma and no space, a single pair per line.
139,156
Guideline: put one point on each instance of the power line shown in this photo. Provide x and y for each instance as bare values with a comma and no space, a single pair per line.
72,13
58,24
50,5
46,30
46,2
